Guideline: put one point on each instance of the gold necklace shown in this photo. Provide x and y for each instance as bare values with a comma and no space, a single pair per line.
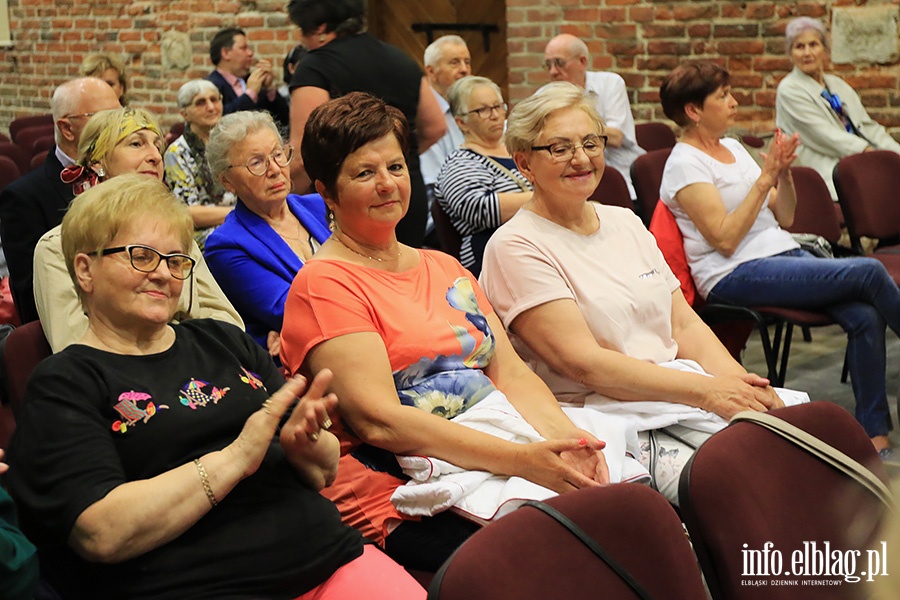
375,258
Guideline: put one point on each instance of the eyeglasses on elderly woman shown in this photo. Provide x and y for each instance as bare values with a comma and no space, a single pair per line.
146,260
258,165
592,146
486,111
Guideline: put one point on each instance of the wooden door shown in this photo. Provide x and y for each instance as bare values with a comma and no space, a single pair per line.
482,23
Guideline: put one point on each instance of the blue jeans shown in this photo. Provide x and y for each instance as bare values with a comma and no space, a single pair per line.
858,293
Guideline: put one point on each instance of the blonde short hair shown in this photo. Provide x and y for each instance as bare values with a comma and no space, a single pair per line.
526,120
95,64
107,128
95,217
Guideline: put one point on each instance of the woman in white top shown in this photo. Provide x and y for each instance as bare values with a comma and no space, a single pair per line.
586,289
731,215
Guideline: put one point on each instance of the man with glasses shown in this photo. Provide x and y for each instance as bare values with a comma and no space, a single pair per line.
447,60
566,58
36,202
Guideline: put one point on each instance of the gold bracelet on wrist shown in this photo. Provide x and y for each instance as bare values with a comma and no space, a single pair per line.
204,480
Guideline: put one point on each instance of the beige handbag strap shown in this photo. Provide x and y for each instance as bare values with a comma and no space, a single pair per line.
518,180
823,451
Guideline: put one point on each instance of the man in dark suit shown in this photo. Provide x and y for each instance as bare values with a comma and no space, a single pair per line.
241,87
36,202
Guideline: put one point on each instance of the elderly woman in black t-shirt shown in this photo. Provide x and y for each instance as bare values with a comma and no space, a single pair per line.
146,461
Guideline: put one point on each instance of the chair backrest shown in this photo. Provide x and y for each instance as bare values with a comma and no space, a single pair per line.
527,554
654,136
38,159
22,350
28,136
867,185
746,487
448,236
612,190
646,175
815,209
43,144
19,156
9,171
30,121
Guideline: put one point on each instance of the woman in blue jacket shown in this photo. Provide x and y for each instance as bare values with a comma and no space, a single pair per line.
255,254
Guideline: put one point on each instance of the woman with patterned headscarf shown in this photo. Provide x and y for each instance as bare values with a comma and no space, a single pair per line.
124,140
114,142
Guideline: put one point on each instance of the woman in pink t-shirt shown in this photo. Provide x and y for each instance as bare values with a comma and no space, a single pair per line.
412,342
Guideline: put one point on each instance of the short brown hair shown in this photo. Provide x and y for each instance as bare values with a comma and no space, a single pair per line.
342,126
690,83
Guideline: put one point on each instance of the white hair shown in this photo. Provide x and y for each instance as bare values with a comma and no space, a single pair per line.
801,25
435,50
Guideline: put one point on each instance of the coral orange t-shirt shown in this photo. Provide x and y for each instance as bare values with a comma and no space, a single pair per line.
432,320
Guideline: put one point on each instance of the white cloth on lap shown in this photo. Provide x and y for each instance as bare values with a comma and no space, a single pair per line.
437,485
647,415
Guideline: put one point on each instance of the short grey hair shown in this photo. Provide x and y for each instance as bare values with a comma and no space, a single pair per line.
189,91
435,50
525,122
231,130
459,93
801,25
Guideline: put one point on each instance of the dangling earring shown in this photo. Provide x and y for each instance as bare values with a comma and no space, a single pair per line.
329,215
321,38
100,172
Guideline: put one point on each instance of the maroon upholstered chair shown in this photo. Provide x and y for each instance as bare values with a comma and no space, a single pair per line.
746,486
867,185
28,136
19,156
815,209
654,136
30,121
527,554
22,350
448,236
612,190
38,159
646,175
9,171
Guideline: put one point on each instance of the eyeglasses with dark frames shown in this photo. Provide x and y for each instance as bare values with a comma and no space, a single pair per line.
258,165
146,260
592,145
486,111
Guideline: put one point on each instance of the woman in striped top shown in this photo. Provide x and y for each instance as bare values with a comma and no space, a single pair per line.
479,186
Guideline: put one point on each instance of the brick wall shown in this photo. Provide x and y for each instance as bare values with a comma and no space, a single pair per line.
52,36
640,40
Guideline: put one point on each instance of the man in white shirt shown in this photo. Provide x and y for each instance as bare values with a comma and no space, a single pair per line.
566,57
447,59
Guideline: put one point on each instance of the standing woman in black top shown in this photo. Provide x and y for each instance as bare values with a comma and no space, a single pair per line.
343,58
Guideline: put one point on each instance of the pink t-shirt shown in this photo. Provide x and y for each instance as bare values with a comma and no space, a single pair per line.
617,277
431,319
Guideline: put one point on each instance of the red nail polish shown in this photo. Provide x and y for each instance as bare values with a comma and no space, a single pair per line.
582,442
